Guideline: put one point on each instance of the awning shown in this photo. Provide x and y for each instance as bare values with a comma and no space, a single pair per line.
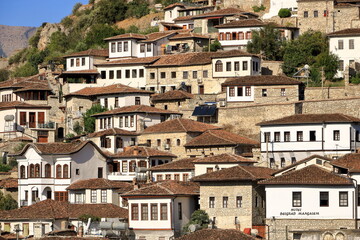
205,110
214,17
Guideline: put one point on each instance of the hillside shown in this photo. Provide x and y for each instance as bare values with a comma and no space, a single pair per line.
14,38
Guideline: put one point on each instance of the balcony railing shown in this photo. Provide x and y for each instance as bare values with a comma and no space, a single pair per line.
43,125
23,203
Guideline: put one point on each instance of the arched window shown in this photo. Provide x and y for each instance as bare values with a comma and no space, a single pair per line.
58,171
218,66
37,170
32,170
22,171
66,171
178,142
48,170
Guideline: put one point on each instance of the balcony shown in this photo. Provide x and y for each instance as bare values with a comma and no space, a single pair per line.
37,125
119,176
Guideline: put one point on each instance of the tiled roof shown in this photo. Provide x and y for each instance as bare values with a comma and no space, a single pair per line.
111,89
35,82
242,23
136,109
310,175
21,139
223,12
90,52
217,234
69,238
112,132
157,35
143,152
183,18
349,161
224,158
220,138
237,173
18,104
181,164
312,118
174,5
9,183
130,61
262,80
79,72
172,95
50,209
167,24
301,162
127,36
346,32
100,183
188,35
179,125
166,188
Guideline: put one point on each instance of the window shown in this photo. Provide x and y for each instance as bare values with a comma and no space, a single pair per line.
159,178
93,196
158,141
37,170
185,75
142,48
209,170
238,201
247,91
324,199
282,162
103,196
325,13
286,136
113,45
248,35
134,73
239,91
185,177
312,136
66,171
299,136
32,171
316,13
264,92
22,171
144,212
180,210
163,211
78,62
132,166
236,66
118,74
343,199
177,177
228,66
205,73
351,44
72,62
194,74
111,74
272,163
61,196
124,166
119,45
106,103
154,211
225,202
245,65
336,135
163,75
152,75
141,73
103,74
126,46
231,92
218,66
293,160
173,74
306,14
340,44
211,202
77,171
79,198
277,137
167,176
119,142
283,92
178,142
58,171
267,136
82,61
148,143
134,212
241,36
148,47
137,101
126,121
296,199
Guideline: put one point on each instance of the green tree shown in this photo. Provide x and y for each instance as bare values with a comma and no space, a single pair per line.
214,46
110,11
78,128
4,75
97,33
200,218
34,40
284,13
329,62
137,8
89,121
25,70
58,42
76,8
7,202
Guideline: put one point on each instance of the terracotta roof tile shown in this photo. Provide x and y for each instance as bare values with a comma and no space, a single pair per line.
9,183
183,18
301,162
346,32
188,35
174,5
172,95
166,188
349,161
100,183
35,82
312,118
223,12
79,72
21,139
181,164
127,36
242,23
220,138
157,36
136,109
18,104
179,125
90,52
224,158
237,173
217,234
141,152
107,90
262,80
310,175
167,24
130,61
112,132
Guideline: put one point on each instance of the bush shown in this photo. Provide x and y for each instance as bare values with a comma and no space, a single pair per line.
67,22
76,8
78,128
355,79
258,9
4,75
25,70
284,13
213,46
85,217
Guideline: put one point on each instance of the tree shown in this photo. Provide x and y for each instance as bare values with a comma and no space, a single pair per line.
25,70
97,33
7,202
89,121
59,42
284,13
266,41
199,218
329,62
76,8
78,128
137,8
4,75
216,45
110,11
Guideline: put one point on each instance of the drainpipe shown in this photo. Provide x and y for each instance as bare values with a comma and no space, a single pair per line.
355,202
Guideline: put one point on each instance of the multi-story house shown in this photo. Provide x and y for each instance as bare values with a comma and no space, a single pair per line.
248,90
47,169
233,199
174,100
134,118
288,139
179,170
345,44
188,42
166,205
172,135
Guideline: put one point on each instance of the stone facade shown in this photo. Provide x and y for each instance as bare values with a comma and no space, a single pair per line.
271,67
209,151
75,106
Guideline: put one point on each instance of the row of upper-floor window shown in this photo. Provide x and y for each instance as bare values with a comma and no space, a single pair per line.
77,61
324,199
185,74
299,136
238,202
124,121
351,44
35,171
167,143
127,166
119,74
342,65
228,66
105,142
143,213
316,13
116,104
240,90
120,46
273,164
235,36
176,177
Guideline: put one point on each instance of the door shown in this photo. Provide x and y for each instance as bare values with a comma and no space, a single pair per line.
22,118
32,120
25,229
41,118
201,89
42,139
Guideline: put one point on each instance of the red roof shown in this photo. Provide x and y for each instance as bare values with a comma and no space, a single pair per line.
217,234
141,152
224,158
172,95
112,132
18,104
224,12
90,52
100,183
130,61
107,90
174,5
262,80
176,165
346,32
126,36
349,161
9,183
136,109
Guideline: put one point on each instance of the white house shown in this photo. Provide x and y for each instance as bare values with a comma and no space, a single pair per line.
47,169
160,210
295,137
345,44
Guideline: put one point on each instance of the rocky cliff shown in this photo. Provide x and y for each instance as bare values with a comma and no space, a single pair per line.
14,38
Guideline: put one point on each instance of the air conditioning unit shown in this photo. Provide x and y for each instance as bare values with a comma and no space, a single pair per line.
199,81
167,146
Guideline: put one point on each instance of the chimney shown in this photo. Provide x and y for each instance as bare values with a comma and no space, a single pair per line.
135,183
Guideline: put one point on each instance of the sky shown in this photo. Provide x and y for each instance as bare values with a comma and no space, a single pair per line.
32,13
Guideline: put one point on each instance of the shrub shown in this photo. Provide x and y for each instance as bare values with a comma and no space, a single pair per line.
258,9
76,7
284,13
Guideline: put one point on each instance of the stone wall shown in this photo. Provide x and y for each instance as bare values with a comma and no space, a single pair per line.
271,68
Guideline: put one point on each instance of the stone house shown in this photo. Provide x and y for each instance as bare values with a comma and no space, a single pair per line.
179,170
173,100
311,196
166,205
264,89
9,186
213,142
98,190
345,44
285,140
232,197
188,42
172,135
